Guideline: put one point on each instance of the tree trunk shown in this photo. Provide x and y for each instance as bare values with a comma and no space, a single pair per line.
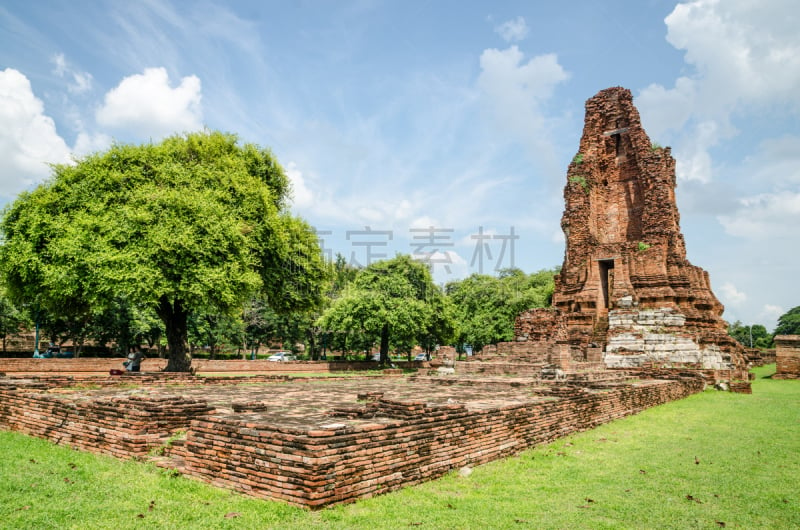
174,317
385,344
312,344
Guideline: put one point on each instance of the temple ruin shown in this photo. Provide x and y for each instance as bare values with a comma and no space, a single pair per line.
633,325
626,293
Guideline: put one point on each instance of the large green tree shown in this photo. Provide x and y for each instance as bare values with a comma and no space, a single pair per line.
789,322
486,306
194,221
394,301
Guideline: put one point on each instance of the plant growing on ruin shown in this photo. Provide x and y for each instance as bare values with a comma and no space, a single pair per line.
642,246
580,179
578,159
655,146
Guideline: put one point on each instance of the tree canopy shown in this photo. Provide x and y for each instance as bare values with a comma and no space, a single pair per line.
486,306
789,323
394,301
196,221
754,336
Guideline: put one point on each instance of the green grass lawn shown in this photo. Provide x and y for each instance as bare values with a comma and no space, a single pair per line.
712,460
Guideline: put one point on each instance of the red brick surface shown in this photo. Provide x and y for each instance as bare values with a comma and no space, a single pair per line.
625,250
319,442
787,355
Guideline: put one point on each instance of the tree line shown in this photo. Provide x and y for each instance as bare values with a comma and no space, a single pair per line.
189,243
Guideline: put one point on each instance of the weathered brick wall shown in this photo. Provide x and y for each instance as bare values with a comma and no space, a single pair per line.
340,463
118,426
373,447
499,368
625,251
103,365
79,365
787,357
756,357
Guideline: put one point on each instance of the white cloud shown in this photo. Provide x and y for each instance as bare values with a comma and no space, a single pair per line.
80,81
60,63
694,160
745,56
86,143
767,215
516,91
742,50
776,162
770,314
731,295
424,222
513,30
301,195
446,266
147,105
28,137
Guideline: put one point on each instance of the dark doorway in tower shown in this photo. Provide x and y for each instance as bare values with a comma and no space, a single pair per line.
606,269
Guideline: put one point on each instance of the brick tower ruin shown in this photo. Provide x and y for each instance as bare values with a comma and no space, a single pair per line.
626,293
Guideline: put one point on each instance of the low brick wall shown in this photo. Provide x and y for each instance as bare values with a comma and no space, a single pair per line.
118,426
341,463
368,447
756,357
101,366
97,365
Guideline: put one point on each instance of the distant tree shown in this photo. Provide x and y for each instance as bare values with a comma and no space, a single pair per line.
318,339
212,329
486,306
196,221
392,300
753,336
789,323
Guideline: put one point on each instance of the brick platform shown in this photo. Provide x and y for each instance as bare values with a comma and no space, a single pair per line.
316,442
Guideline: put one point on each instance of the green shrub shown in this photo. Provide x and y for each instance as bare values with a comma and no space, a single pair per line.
579,179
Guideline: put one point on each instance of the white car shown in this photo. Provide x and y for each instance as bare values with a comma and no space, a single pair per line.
421,357
282,356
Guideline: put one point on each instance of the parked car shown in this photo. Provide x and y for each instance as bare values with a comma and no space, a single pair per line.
421,357
282,356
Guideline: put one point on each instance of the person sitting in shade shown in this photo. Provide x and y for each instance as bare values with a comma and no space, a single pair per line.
134,361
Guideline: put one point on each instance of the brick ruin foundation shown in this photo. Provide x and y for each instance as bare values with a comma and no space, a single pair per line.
626,295
316,442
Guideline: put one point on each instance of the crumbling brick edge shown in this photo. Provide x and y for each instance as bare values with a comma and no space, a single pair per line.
338,462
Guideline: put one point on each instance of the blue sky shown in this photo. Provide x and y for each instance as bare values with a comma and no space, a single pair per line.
447,126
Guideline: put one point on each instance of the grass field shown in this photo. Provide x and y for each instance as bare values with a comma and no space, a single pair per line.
713,460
